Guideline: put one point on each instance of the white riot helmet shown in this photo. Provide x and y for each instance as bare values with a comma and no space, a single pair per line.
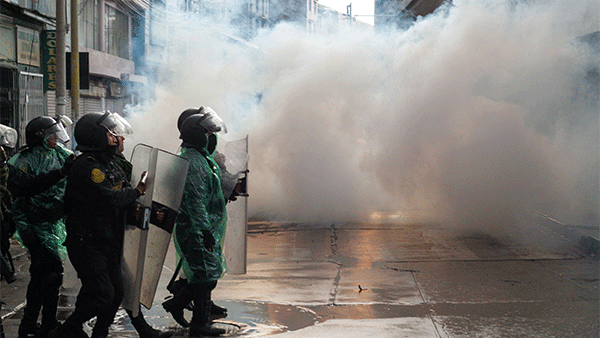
8,136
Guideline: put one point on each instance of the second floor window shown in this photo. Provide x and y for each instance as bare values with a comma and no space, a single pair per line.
89,32
117,33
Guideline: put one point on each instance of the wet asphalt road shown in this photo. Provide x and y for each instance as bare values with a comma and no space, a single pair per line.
388,280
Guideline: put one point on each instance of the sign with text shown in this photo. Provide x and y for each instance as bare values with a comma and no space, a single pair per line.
49,66
28,46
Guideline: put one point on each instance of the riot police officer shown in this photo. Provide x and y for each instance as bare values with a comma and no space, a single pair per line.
39,222
15,183
200,225
142,327
96,199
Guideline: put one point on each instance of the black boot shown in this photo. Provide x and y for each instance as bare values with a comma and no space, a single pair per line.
175,305
216,309
29,325
50,304
64,331
99,332
201,325
28,329
144,329
45,328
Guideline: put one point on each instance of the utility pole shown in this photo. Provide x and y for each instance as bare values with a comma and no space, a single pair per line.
61,67
74,60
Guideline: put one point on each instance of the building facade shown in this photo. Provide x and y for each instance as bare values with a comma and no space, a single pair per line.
115,36
304,12
401,13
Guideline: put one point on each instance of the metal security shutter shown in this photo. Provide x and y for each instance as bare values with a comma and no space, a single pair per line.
31,100
117,105
51,103
122,102
89,104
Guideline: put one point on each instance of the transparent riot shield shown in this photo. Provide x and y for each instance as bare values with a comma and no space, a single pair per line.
236,170
136,232
169,182
150,223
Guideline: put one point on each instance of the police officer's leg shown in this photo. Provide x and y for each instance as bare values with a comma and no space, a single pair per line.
1,324
201,325
52,282
34,296
181,299
216,309
144,329
106,315
96,290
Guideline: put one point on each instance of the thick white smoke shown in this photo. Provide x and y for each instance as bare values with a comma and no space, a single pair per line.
474,114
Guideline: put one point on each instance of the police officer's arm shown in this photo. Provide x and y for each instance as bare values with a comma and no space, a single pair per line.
21,183
120,195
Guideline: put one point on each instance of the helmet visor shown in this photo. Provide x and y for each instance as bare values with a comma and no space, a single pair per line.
65,121
116,124
8,136
59,130
212,122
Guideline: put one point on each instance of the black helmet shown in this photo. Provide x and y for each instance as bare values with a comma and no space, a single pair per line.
195,123
210,120
192,132
41,127
90,130
185,114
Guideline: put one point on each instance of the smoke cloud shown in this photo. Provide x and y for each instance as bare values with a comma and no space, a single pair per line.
473,115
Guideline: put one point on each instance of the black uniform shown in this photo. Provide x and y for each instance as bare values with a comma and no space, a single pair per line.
96,198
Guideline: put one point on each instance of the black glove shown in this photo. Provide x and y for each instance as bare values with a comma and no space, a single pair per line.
66,168
209,240
232,197
240,189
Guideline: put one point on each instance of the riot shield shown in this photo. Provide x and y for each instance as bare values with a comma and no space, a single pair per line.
236,169
169,182
150,223
136,232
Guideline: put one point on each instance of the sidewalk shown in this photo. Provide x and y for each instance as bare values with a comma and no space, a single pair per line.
378,280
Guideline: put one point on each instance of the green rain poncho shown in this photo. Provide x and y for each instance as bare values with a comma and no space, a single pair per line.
42,213
202,208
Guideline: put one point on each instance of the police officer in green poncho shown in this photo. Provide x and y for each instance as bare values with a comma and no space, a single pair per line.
200,226
14,183
40,224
